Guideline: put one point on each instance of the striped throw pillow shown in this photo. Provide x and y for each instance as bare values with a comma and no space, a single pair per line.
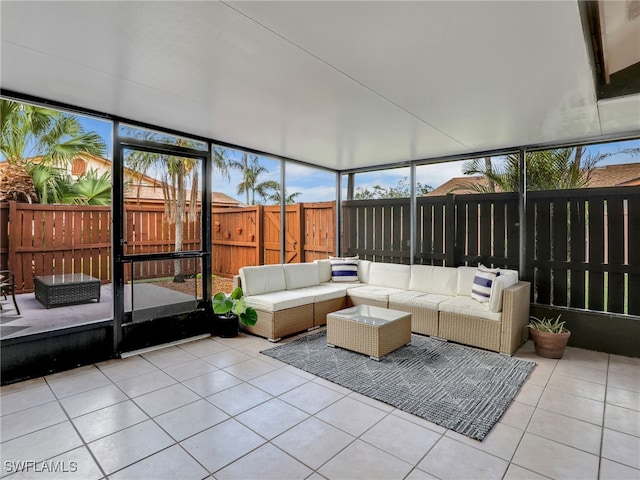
482,283
344,269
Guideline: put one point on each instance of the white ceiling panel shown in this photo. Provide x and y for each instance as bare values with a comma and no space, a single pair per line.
336,84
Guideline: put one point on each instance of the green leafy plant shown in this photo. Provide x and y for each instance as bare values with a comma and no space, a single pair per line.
550,325
224,304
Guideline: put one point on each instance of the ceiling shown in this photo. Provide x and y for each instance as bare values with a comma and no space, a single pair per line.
337,84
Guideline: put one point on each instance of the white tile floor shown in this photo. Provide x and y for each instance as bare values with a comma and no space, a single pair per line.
217,408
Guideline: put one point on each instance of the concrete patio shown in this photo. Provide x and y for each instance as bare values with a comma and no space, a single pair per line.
151,301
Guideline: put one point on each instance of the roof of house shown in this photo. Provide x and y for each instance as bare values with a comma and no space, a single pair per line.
624,174
621,175
459,185
150,188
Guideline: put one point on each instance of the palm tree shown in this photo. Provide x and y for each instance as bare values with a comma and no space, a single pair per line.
275,197
51,137
221,162
57,186
251,171
179,177
92,189
561,168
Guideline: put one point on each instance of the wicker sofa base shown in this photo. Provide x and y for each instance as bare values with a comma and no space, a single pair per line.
423,321
275,325
474,331
354,301
322,309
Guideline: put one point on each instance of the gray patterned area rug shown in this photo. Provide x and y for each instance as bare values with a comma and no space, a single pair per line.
460,388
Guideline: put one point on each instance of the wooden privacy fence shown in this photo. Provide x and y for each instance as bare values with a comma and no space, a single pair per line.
581,245
147,231
55,239
584,251
251,235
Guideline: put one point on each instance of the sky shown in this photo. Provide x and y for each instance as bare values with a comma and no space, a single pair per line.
316,185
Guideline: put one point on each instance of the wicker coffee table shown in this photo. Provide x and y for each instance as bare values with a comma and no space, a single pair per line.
66,289
373,331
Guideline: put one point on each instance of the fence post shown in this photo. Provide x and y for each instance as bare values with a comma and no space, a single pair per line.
449,231
260,235
300,223
14,238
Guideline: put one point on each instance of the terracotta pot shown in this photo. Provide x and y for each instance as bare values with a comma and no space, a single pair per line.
239,230
549,345
227,234
251,237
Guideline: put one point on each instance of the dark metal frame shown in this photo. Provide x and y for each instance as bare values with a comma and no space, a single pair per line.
95,343
119,257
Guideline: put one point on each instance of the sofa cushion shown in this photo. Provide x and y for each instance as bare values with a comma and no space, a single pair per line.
469,307
324,270
507,279
344,269
465,280
300,275
262,279
324,292
373,292
430,301
482,283
363,270
433,279
392,275
344,286
276,301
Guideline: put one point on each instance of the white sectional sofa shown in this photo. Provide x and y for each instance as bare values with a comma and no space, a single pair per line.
295,297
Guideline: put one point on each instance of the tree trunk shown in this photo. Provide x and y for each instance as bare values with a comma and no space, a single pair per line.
489,173
181,194
577,160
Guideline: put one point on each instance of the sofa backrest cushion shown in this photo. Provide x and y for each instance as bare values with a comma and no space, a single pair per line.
262,279
433,279
363,270
324,270
300,275
393,275
344,269
465,280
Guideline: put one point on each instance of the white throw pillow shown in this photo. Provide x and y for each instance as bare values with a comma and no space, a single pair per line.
344,269
482,283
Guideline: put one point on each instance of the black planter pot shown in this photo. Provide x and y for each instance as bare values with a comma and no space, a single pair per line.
227,326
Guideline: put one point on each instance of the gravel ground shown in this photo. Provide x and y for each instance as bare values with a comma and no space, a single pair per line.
219,285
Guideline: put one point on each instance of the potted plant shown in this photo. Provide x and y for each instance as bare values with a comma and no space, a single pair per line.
231,310
549,336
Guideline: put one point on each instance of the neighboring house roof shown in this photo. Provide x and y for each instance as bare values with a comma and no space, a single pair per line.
621,175
150,189
459,185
